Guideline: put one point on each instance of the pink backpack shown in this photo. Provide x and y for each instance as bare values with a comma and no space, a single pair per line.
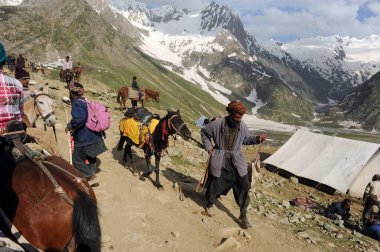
98,118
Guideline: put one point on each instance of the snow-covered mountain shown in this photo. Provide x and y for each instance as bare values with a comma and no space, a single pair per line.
351,60
318,69
209,47
174,36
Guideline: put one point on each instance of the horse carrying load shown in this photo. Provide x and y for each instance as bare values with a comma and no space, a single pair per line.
151,135
136,95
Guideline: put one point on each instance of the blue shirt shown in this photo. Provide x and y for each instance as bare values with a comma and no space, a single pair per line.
82,135
373,231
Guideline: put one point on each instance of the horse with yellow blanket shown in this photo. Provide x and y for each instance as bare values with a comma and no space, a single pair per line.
152,137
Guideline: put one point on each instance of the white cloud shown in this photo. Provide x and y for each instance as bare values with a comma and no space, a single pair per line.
374,7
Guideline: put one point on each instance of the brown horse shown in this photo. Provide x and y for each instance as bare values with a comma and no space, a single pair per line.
37,209
122,96
152,94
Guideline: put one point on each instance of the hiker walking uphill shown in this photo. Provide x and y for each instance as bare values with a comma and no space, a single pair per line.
88,144
227,165
139,96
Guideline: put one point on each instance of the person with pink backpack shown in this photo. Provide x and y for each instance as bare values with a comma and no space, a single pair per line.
87,131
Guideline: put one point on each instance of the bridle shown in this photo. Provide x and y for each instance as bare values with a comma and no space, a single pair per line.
171,126
44,117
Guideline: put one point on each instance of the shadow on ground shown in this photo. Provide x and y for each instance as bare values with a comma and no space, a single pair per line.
187,185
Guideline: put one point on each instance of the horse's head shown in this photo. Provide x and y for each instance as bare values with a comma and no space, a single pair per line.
177,125
45,107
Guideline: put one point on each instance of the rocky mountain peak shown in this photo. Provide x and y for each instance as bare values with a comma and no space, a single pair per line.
215,16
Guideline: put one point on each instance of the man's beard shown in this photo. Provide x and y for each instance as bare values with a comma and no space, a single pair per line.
232,123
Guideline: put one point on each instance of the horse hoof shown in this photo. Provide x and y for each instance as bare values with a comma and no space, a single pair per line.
159,186
147,174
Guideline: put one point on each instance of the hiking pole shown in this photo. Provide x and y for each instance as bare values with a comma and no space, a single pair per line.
69,138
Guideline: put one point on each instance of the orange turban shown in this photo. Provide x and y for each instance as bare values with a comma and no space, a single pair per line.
236,109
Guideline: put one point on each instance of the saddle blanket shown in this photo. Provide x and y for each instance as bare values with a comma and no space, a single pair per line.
136,94
137,131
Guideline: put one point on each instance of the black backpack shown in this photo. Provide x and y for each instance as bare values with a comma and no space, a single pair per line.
139,114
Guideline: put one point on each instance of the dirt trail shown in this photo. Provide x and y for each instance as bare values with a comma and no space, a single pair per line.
135,216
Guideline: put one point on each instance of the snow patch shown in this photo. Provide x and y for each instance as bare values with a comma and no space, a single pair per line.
297,116
349,124
255,123
10,2
252,97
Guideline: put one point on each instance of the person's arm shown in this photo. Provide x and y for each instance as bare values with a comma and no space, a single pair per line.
366,192
251,140
21,102
78,114
206,136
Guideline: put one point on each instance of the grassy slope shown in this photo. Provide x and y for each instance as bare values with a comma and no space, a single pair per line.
281,103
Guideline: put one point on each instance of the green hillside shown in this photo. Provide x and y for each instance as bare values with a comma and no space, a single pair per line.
63,28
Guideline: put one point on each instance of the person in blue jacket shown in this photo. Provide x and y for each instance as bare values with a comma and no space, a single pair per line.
88,144
373,227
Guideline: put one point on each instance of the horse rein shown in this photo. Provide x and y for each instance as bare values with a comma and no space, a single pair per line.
58,189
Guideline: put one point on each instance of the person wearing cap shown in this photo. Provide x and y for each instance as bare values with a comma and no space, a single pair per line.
88,144
227,166
371,196
23,76
11,95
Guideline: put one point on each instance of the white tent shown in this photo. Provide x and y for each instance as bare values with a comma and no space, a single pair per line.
343,164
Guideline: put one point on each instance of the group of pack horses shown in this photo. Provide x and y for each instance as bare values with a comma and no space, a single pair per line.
59,212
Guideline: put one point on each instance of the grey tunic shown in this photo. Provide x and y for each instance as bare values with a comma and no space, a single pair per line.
215,131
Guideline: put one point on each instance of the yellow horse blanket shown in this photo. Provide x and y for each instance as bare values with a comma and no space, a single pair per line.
137,131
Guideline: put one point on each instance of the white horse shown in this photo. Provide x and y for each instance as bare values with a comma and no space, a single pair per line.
40,104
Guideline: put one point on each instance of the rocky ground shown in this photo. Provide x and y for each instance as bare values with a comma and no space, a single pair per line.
135,216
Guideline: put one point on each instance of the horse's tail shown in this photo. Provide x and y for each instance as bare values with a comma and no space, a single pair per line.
86,226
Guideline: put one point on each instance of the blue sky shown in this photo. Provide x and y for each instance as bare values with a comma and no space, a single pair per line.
286,20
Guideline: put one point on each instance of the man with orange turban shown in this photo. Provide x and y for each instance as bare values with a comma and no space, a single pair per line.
227,166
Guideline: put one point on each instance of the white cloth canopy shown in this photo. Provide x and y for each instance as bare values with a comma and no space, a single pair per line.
343,164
